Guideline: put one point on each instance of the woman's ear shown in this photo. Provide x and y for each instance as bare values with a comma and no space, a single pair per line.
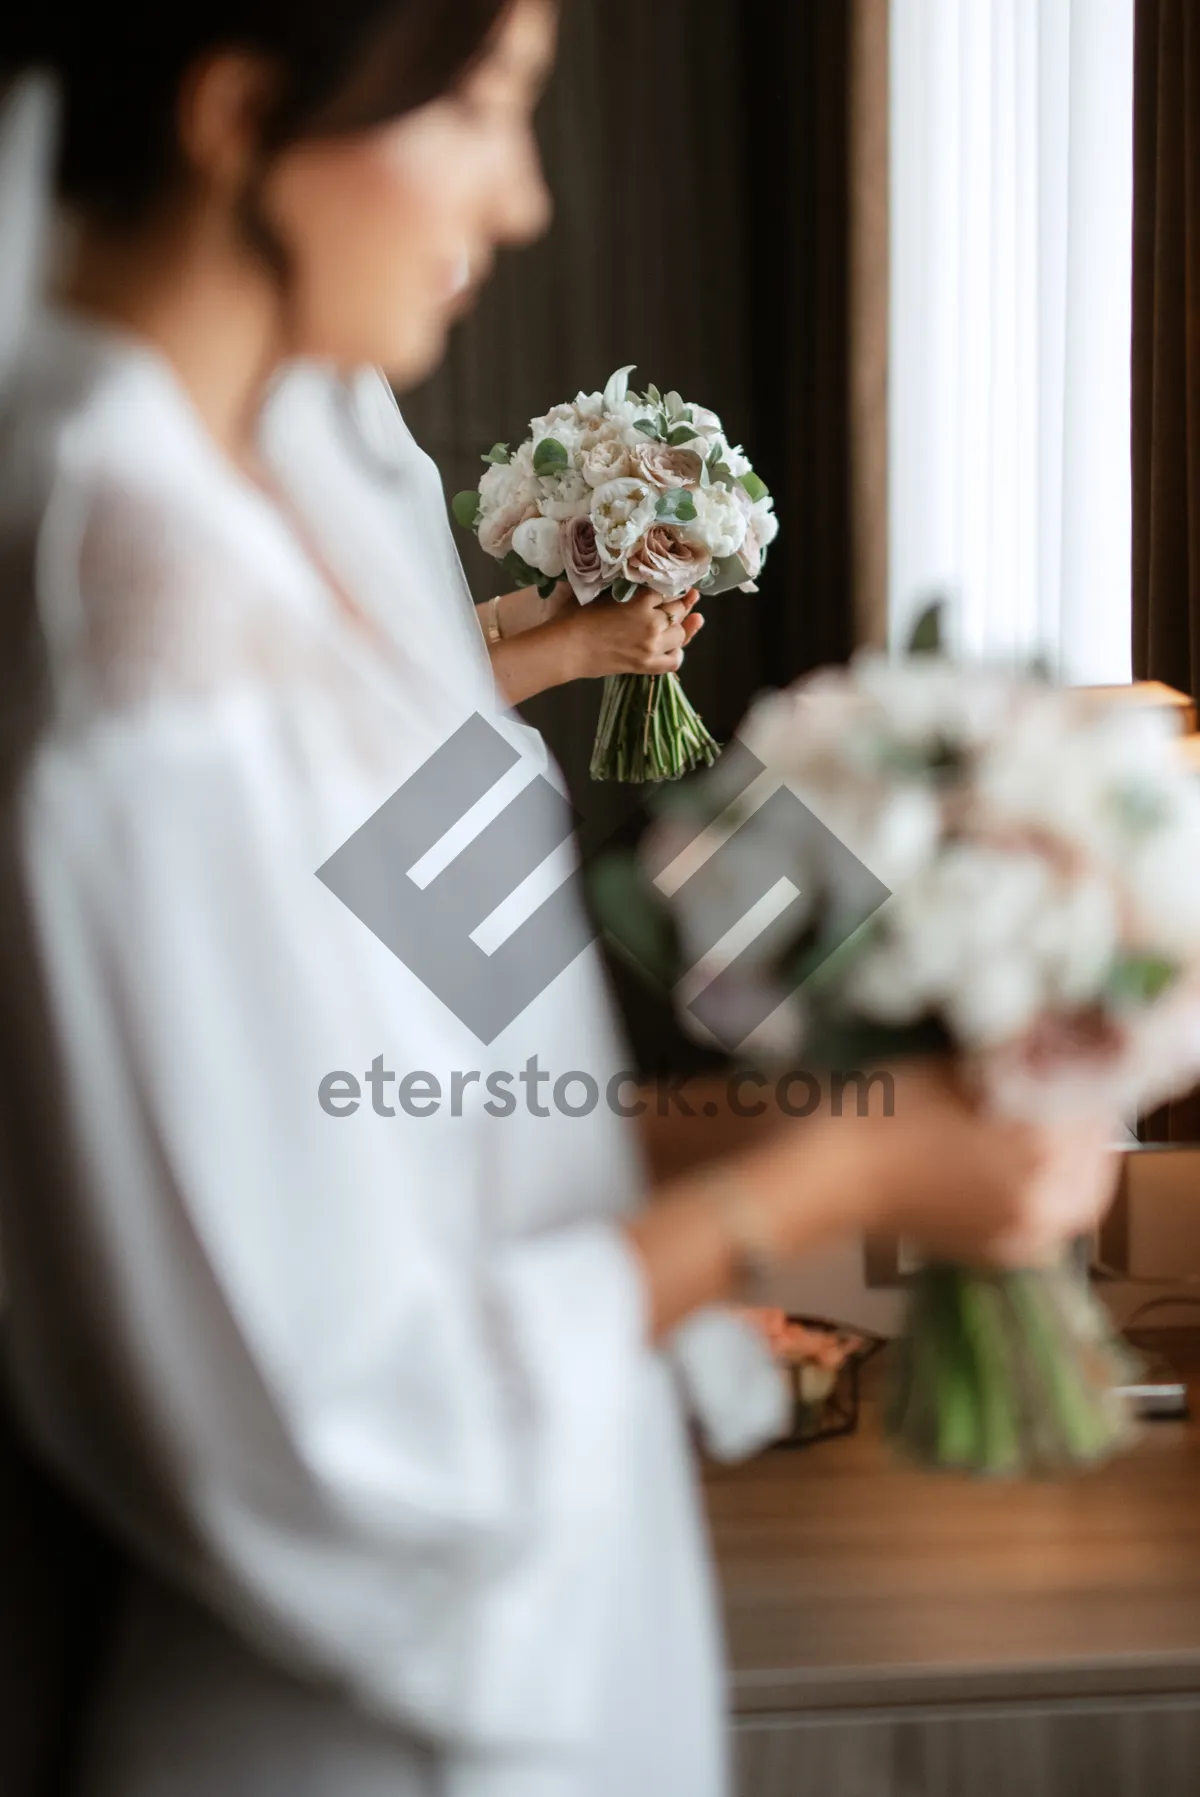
224,103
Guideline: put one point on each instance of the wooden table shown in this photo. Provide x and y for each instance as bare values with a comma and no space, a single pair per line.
896,1635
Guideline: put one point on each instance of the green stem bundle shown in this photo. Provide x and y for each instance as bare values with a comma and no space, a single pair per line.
649,731
1008,1374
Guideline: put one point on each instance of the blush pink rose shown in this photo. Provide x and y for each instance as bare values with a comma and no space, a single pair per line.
668,468
581,553
666,561
496,531
607,459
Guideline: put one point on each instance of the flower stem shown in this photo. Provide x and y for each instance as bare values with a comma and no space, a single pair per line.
1008,1373
649,731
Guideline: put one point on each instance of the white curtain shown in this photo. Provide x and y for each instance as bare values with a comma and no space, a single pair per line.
1012,199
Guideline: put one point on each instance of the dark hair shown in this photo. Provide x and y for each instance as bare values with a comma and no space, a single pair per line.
344,65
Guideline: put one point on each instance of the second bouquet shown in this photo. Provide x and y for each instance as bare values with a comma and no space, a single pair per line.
614,492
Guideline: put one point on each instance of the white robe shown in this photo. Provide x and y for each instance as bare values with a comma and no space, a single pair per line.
416,1492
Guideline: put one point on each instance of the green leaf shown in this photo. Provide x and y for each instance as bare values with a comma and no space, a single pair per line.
547,587
653,395
623,590
617,390
499,455
755,486
722,473
674,405
724,576
519,571
648,428
682,433
926,637
1137,980
550,457
467,507
677,507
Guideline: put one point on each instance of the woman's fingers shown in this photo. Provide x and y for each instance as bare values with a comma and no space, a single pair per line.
1067,1195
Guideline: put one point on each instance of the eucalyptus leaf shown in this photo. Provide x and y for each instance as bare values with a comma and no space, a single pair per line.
519,571
681,434
467,507
623,590
653,395
674,405
648,428
677,507
550,457
499,455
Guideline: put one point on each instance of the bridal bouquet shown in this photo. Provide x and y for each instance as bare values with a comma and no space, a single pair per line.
617,491
1037,919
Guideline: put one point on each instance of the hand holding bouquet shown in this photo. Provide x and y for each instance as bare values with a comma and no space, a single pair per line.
619,492
1033,918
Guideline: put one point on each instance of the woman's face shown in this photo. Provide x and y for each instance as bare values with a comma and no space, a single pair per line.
389,232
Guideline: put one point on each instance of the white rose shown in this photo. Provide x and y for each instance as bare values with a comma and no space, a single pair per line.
762,528
623,419
997,999
606,460
508,495
497,528
622,513
565,496
707,421
570,431
721,524
538,542
554,420
507,484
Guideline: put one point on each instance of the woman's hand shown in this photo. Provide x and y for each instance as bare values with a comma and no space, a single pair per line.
526,610
962,1185
643,635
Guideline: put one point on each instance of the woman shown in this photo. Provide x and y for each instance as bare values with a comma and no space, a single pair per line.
360,1329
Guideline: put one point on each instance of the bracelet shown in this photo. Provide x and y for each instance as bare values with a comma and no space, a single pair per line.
491,614
755,1257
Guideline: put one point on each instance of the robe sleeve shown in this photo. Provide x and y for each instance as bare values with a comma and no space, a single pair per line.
390,1450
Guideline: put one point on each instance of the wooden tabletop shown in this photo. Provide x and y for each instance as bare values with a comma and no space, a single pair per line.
850,1580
